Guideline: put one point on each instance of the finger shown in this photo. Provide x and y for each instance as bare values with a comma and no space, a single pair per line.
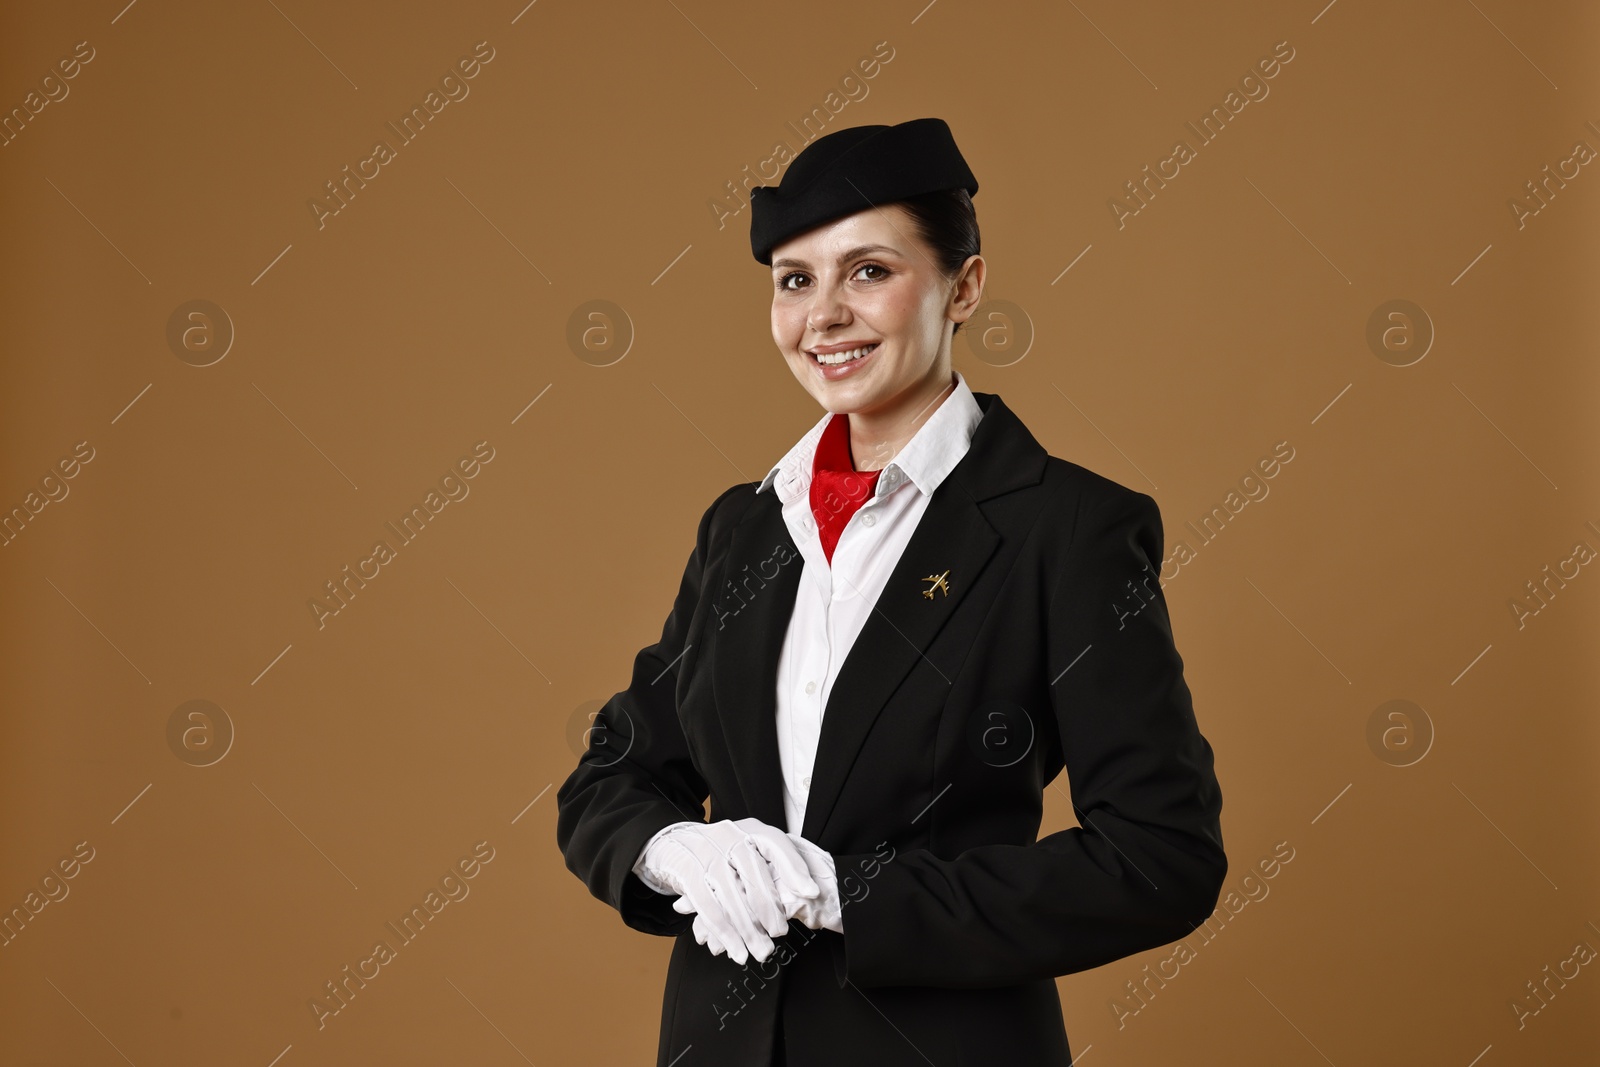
754,873
705,929
736,908
792,903
761,894
718,936
713,931
728,888
734,945
716,894
703,899
705,935
788,864
787,858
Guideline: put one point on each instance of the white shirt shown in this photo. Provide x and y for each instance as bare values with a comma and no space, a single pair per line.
834,600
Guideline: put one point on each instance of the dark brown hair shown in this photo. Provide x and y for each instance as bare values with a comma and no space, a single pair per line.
947,223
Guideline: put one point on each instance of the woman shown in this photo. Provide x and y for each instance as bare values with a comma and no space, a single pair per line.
879,657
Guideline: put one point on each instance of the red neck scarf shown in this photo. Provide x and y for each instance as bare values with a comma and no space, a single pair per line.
837,488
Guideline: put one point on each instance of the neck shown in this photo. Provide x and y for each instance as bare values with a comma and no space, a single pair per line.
877,436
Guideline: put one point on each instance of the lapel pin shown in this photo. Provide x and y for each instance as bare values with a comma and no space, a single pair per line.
939,583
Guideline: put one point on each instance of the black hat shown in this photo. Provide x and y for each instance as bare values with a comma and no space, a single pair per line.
851,170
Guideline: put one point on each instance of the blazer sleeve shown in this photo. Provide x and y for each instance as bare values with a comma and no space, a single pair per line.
636,776
1146,865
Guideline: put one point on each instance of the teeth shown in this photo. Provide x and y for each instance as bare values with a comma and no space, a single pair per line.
832,359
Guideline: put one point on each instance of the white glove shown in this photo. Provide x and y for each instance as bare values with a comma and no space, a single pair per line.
819,911
822,911
642,869
724,873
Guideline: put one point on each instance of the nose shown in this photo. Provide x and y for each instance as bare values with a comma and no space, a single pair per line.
828,309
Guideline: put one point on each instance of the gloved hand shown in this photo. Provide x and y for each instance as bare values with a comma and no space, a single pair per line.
724,874
819,911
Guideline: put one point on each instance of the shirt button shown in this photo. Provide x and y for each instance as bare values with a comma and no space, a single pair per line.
869,519
811,687
806,781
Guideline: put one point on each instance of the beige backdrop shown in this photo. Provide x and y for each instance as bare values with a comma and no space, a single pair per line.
223,383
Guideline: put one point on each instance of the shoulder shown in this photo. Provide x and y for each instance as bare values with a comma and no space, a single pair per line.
1061,493
1081,502
1096,532
726,511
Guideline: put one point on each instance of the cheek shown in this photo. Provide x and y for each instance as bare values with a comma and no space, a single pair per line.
903,312
789,311
930,314
885,311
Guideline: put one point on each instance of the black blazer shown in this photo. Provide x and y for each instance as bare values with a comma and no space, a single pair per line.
1048,644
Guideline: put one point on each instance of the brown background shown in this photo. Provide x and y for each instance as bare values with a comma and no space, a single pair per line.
439,708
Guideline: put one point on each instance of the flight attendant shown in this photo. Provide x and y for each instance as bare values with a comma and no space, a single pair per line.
879,657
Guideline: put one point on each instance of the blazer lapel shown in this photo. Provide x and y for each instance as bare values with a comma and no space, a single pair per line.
953,536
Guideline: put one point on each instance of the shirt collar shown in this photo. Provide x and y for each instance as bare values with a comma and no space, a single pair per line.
925,460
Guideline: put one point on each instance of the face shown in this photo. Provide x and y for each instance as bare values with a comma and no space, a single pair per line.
864,280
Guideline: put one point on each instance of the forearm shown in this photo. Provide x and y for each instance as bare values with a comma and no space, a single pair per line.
1000,915
603,825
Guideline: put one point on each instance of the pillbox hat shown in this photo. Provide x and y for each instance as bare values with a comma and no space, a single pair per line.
851,170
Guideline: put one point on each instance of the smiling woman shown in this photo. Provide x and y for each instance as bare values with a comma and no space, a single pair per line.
865,313
866,305
843,722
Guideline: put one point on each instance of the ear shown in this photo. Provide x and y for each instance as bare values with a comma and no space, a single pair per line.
967,292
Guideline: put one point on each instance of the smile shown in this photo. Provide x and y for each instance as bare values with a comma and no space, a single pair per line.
833,359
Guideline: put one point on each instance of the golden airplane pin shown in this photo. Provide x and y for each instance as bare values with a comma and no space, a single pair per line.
938,581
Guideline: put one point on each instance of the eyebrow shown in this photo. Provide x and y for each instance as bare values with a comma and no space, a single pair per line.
854,253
